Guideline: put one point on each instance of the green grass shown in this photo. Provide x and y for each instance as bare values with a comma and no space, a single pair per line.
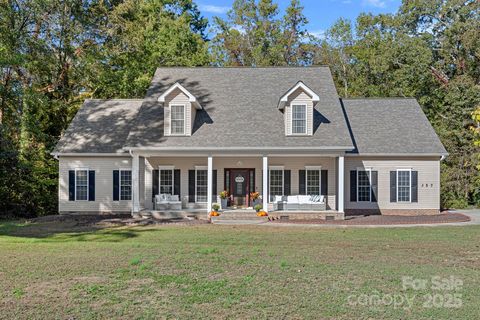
231,272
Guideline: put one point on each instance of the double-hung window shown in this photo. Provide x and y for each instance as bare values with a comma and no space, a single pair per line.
276,183
299,119
177,119
201,185
364,185
404,185
165,180
81,184
312,182
125,184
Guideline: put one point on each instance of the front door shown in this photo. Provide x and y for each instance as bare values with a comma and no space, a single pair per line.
238,185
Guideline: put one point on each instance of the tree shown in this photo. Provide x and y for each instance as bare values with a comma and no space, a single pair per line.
254,35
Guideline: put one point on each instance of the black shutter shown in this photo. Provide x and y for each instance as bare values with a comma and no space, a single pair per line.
374,184
353,186
393,186
191,185
214,185
91,185
176,182
155,184
286,182
324,182
414,186
116,185
71,185
301,182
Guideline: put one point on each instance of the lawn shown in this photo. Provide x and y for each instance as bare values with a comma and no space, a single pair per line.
206,271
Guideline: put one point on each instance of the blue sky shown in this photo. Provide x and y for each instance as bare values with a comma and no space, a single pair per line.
321,14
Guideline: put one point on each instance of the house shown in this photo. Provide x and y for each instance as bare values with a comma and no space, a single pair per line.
280,131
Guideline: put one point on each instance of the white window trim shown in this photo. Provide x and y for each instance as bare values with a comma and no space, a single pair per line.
369,170
281,168
291,119
410,186
88,182
200,168
313,168
165,168
184,118
120,184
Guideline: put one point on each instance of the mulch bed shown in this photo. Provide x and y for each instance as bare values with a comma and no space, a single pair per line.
113,220
386,220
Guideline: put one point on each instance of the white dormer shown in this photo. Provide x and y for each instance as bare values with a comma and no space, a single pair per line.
180,107
297,105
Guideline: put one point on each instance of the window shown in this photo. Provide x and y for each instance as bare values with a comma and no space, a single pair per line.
81,184
177,117
166,181
125,185
364,187
276,183
299,119
313,182
404,185
201,180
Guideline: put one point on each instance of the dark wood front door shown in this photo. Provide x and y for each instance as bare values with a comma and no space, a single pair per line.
239,183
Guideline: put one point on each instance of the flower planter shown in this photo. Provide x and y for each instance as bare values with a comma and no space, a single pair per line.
255,202
223,203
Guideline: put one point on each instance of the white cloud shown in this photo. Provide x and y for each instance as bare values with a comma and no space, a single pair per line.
375,3
320,33
347,1
213,9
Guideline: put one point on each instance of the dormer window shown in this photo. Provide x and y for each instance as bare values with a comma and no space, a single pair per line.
177,119
299,119
298,105
180,108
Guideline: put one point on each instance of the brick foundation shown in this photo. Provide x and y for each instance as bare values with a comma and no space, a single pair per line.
392,212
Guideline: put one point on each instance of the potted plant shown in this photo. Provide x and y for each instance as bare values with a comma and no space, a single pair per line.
255,198
214,212
258,207
224,198
259,210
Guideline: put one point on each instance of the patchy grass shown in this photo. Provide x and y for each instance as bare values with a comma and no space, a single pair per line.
210,271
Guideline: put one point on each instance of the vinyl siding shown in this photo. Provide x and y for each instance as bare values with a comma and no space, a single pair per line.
299,97
428,182
220,163
103,168
178,97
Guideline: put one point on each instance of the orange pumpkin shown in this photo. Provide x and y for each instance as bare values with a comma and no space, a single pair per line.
262,214
214,214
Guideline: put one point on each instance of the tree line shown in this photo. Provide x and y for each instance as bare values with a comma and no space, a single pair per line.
56,53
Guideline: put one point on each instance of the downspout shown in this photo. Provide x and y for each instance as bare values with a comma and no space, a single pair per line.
131,154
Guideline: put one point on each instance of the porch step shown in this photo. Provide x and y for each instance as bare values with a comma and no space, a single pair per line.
252,219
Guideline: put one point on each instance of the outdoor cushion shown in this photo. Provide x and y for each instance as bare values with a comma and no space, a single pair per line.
278,198
302,199
292,199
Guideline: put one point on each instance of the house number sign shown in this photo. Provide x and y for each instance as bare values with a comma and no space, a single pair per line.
239,179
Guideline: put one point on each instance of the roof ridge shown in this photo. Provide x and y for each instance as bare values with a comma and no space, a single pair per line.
380,98
115,99
243,67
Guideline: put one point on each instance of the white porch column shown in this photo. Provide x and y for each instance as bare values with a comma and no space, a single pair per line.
265,184
341,184
209,183
135,183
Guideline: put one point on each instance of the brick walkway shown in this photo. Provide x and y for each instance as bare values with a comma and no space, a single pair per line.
385,220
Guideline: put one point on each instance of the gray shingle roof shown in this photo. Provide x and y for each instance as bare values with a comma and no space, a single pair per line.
240,109
100,126
391,126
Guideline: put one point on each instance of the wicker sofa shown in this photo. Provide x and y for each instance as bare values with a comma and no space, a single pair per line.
299,203
167,202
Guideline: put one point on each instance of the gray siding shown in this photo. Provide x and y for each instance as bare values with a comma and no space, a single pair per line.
428,181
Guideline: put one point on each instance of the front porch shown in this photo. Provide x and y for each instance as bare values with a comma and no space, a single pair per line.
195,182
